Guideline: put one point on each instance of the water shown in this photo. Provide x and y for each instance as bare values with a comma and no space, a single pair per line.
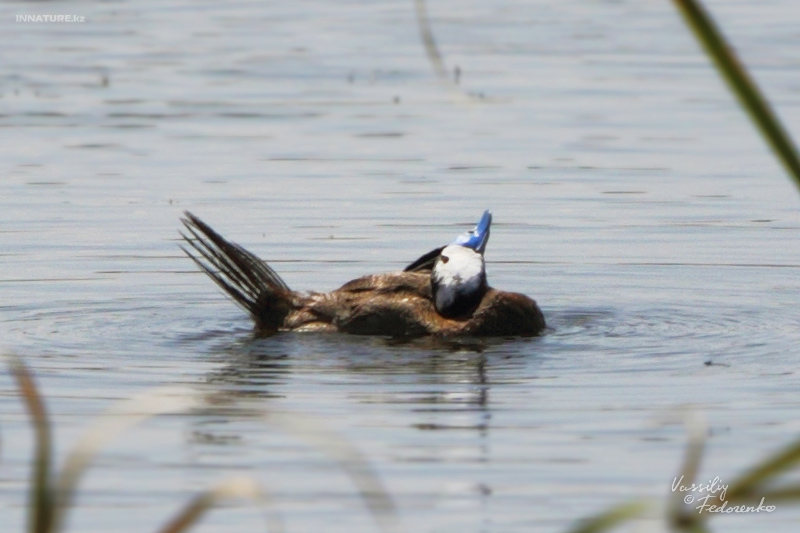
631,198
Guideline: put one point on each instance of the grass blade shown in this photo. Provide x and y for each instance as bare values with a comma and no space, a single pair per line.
117,419
51,498
742,85
238,487
752,481
428,42
612,517
312,430
790,494
696,430
435,57
40,503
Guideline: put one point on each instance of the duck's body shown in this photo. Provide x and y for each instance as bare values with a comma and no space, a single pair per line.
423,300
400,304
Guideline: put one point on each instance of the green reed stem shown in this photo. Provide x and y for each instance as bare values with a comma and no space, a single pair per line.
428,41
612,517
40,504
740,82
753,480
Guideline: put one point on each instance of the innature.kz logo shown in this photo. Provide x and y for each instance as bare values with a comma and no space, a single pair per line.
51,18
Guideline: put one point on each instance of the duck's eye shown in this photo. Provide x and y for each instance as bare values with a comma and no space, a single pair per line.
445,259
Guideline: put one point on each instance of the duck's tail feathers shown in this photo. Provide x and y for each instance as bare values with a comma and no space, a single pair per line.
248,280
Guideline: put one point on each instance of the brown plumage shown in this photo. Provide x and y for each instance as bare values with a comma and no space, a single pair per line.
397,304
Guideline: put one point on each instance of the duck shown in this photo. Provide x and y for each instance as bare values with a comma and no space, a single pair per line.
443,293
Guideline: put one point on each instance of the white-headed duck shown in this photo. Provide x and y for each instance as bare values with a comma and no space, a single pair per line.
443,293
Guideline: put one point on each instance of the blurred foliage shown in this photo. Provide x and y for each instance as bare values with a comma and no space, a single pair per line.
741,83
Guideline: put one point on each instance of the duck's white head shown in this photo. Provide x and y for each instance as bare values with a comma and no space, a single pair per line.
458,281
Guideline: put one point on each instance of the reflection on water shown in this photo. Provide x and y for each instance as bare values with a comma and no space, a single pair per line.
630,197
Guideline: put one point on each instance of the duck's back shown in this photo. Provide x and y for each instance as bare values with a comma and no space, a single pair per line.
400,304
396,304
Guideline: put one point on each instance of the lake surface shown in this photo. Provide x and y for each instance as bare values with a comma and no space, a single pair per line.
631,198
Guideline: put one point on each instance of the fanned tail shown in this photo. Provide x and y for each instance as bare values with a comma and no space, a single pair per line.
248,280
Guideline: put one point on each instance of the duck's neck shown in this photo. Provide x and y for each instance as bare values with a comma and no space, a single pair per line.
459,300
